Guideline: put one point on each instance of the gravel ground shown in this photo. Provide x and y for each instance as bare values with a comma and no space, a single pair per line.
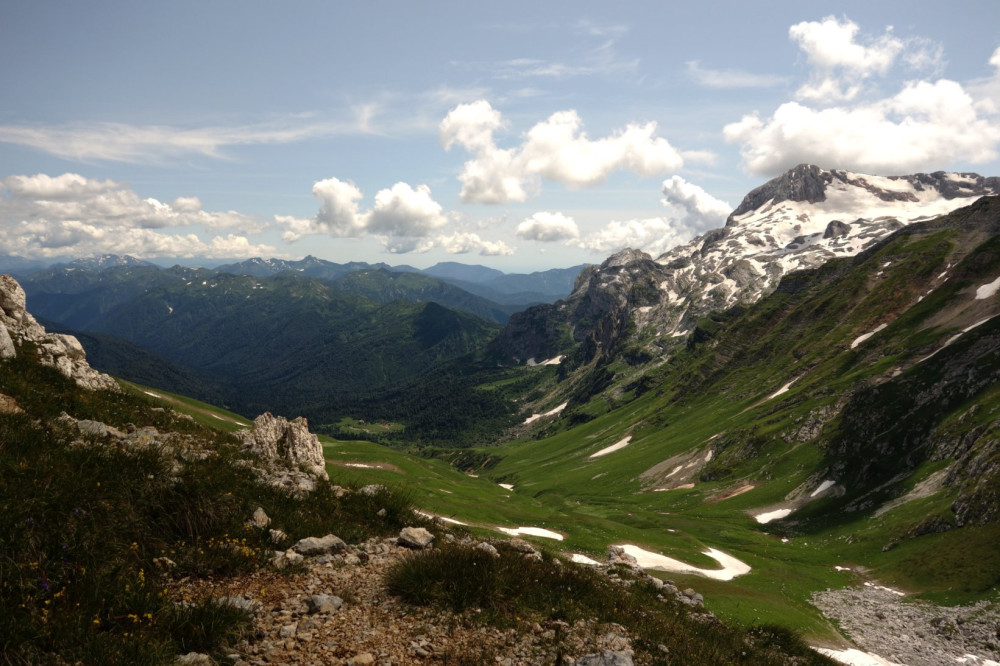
914,633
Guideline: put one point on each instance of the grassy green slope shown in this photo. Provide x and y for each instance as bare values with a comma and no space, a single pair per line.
723,395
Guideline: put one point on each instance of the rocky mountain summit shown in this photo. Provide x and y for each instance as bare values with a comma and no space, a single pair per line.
63,352
799,220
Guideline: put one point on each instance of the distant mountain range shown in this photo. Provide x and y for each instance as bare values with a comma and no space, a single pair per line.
505,289
285,343
308,336
517,289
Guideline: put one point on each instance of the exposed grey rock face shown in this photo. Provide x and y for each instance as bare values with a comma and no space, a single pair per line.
521,546
324,603
260,518
7,349
62,352
275,438
916,633
793,222
487,548
12,298
806,182
809,183
836,229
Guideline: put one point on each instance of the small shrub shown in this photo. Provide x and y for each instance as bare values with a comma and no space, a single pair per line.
511,588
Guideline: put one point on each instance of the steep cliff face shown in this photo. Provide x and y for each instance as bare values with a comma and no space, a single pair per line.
62,352
800,220
604,300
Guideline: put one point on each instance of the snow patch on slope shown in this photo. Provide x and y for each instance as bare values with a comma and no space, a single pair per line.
988,290
532,531
854,657
861,338
823,486
731,567
620,444
552,412
783,389
777,514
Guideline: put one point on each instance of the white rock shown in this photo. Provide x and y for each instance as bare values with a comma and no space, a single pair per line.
415,537
276,438
312,546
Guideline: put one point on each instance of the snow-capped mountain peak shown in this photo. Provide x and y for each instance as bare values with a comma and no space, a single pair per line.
800,219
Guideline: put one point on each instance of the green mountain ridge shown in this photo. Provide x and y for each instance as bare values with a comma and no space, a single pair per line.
880,450
282,343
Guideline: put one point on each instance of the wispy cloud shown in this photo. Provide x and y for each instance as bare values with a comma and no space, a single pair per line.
598,55
137,144
731,78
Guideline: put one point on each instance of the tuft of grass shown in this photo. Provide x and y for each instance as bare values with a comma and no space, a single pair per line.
508,590
202,626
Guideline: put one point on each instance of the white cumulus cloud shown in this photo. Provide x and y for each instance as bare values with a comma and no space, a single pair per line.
843,59
548,227
404,211
690,211
653,235
842,119
831,44
925,126
71,215
556,149
691,207
403,218
101,203
466,242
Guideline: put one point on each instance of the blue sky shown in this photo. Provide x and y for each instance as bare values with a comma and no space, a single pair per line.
519,135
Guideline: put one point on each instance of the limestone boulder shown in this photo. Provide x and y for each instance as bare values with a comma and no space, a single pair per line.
276,438
415,537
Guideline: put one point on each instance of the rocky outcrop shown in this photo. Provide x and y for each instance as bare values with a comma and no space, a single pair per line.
62,352
274,438
604,298
809,183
